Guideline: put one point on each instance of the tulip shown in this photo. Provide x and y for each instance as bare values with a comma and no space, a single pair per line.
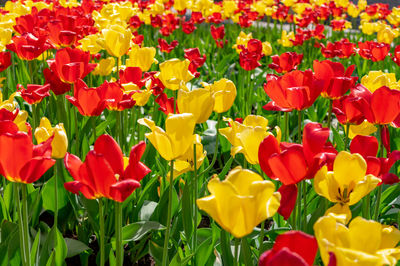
167,105
165,47
224,92
176,139
5,60
142,57
295,90
363,242
285,62
241,41
363,129
347,184
117,99
20,160
71,64
198,102
185,163
174,73
196,60
29,47
59,143
89,101
291,248
240,202
57,86
103,173
376,79
104,67
116,40
34,93
373,50
246,138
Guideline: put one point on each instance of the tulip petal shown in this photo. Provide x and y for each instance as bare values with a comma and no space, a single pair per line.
123,189
109,148
35,168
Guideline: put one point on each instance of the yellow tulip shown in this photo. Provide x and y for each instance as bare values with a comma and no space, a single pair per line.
180,5
362,4
224,92
141,97
240,202
363,129
229,7
376,79
116,40
90,44
353,10
104,67
59,144
386,34
199,102
20,121
185,163
348,183
363,242
5,37
174,73
246,138
368,28
286,39
8,104
266,48
177,137
242,39
142,57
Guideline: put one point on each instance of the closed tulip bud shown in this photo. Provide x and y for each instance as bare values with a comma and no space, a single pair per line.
59,143
198,102
104,67
116,40
240,202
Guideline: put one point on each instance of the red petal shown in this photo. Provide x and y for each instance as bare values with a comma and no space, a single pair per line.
111,151
35,168
123,189
364,145
288,200
268,147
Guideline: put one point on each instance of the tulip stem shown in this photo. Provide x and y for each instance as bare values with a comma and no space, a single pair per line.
329,114
305,205
286,121
346,140
118,232
214,159
94,128
20,223
298,223
378,196
195,183
261,238
299,127
175,96
168,225
25,224
236,259
102,237
56,168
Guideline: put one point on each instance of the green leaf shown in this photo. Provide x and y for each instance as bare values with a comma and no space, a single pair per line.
226,253
187,211
49,195
147,210
177,260
156,252
136,231
54,242
35,249
246,252
74,247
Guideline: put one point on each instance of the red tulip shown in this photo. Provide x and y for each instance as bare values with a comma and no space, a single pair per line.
71,64
28,47
288,200
337,81
5,60
165,47
131,75
218,35
291,248
295,90
285,62
62,32
188,27
380,107
250,55
349,110
20,160
115,96
166,104
373,50
103,174
34,93
89,101
367,147
196,60
56,84
341,49
396,55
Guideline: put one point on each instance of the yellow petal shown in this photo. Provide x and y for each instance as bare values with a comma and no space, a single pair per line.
198,102
348,169
363,187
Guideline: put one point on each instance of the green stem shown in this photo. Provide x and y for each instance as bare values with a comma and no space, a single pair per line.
346,140
378,196
118,131
367,207
304,205
299,127
175,99
25,224
34,115
195,190
102,235
56,196
168,225
286,121
261,237
214,159
118,231
298,202
236,258
94,129
329,114
20,223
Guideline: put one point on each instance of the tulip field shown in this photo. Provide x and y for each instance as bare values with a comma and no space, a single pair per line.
172,132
